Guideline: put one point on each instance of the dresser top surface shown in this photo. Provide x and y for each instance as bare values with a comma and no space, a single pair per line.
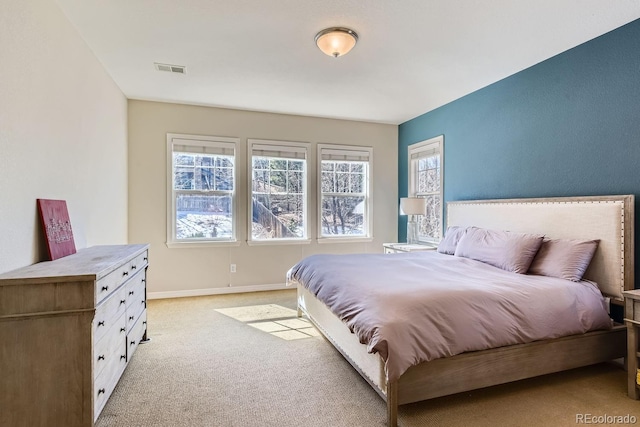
91,263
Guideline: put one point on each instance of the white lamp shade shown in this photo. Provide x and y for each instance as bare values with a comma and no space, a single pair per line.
336,41
412,206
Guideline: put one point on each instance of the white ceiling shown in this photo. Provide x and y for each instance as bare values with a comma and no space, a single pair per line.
412,55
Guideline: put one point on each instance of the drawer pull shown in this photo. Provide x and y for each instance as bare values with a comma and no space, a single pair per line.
123,357
130,317
144,280
132,343
105,288
130,292
125,273
101,357
144,323
145,259
101,323
122,301
101,391
122,329
133,267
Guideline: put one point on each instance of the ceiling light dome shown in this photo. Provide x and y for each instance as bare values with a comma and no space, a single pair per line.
336,41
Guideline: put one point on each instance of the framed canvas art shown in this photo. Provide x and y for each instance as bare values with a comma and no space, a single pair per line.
57,228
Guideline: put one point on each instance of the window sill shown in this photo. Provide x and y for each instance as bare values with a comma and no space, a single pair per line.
207,244
278,242
330,240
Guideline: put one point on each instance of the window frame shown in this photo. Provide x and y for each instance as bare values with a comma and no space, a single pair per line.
283,146
349,150
437,144
199,141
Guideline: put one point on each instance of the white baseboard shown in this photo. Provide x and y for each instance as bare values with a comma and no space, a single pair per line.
217,291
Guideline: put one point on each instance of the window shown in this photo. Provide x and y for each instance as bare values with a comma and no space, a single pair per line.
278,197
201,189
426,180
344,196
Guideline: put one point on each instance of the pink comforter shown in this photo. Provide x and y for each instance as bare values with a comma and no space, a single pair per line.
415,307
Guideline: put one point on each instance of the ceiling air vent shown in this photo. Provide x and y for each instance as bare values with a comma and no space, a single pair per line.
180,69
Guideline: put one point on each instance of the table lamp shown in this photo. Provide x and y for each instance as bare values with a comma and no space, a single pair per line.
412,206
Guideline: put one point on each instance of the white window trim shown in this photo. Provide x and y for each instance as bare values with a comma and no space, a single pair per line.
368,237
426,145
171,241
284,144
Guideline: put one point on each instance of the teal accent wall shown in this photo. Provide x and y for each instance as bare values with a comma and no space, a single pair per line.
568,126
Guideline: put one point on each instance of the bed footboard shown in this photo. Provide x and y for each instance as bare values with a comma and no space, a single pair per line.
467,371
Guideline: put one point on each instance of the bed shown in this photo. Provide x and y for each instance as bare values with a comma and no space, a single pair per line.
608,219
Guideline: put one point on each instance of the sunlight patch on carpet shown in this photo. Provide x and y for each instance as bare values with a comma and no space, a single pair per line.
252,313
273,319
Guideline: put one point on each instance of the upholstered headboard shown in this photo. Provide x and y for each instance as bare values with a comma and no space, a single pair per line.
607,218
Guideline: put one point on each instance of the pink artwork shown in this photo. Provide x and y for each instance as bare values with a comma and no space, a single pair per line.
57,228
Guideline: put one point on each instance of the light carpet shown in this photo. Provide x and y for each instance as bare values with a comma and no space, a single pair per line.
210,363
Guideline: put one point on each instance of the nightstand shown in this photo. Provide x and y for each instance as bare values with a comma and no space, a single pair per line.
390,248
632,319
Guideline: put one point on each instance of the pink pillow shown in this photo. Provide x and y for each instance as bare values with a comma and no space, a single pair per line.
451,238
503,249
564,258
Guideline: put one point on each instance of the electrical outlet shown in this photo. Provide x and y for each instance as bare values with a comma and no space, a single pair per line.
232,268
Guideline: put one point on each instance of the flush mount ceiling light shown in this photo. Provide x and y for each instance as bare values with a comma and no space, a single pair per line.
336,41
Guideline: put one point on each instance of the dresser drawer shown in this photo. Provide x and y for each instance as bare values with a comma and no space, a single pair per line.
136,304
111,348
108,313
133,314
105,383
136,289
135,336
139,262
110,282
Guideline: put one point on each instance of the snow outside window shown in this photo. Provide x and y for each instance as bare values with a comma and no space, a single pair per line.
202,189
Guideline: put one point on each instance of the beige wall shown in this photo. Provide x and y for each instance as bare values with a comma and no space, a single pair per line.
193,271
63,133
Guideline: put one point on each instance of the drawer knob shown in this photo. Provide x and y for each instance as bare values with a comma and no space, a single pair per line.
122,329
130,292
144,280
105,288
101,323
123,357
101,357
125,273
122,301
132,343
144,323
101,391
133,267
145,259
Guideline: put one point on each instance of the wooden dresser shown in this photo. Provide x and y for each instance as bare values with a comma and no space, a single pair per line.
68,328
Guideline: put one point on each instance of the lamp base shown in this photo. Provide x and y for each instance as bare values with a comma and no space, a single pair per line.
412,232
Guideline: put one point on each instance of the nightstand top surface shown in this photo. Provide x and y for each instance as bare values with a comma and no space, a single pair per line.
633,294
410,247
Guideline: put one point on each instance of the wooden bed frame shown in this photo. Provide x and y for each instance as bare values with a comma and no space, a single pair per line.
607,218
